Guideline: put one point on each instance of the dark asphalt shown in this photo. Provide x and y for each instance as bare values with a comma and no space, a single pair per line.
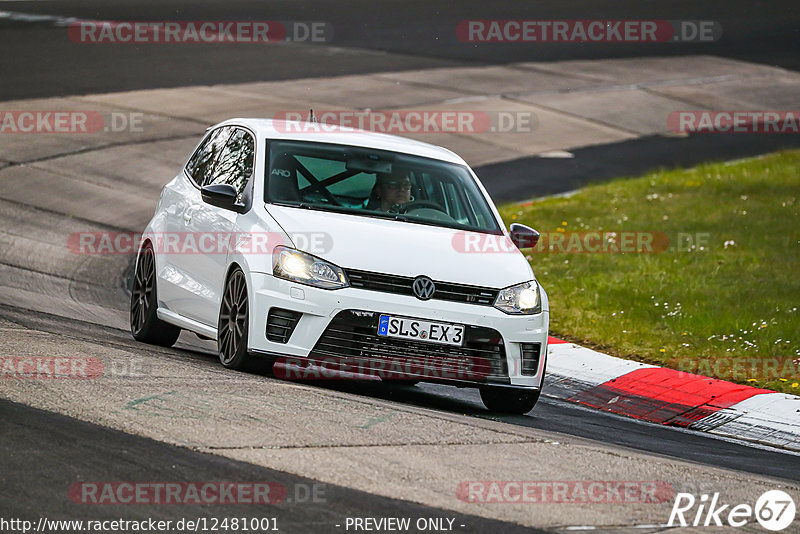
40,60
524,178
550,414
561,416
51,452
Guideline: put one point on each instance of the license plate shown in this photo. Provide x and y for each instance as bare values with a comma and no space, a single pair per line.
405,328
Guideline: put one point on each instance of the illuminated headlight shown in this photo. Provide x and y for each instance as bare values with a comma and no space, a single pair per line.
523,299
297,266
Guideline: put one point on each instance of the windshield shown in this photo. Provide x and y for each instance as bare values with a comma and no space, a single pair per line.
375,183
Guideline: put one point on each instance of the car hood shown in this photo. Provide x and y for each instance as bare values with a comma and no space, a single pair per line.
404,248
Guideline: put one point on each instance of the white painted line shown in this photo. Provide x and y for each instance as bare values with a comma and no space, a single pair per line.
55,20
476,98
556,154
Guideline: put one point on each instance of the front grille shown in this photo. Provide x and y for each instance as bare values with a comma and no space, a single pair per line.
281,324
401,285
530,358
351,339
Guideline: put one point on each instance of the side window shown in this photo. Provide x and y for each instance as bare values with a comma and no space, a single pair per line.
235,163
201,164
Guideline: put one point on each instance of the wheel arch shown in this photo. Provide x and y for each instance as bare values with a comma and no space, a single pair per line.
232,266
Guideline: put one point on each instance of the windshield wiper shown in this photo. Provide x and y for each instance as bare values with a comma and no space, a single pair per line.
318,207
402,217
303,205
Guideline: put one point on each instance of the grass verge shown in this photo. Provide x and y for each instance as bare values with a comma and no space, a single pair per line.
721,298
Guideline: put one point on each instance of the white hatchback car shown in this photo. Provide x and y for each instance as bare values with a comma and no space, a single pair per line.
343,253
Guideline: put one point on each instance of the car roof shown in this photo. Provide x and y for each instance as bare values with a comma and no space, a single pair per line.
328,133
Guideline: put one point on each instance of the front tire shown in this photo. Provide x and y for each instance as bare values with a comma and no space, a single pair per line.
233,323
509,400
145,324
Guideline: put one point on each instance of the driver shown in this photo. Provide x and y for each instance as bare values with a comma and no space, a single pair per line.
393,191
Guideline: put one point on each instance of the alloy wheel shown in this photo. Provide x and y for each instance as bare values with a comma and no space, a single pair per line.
232,324
142,292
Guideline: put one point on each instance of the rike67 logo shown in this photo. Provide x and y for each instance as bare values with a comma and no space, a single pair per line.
774,510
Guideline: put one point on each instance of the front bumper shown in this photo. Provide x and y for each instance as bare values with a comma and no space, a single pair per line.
344,322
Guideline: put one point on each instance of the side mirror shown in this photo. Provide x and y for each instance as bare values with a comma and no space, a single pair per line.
222,196
523,236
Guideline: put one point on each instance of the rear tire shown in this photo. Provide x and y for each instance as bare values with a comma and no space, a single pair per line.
509,400
145,324
233,324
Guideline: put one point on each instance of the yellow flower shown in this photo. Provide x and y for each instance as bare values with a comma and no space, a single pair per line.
783,380
662,350
683,334
751,380
795,385
563,223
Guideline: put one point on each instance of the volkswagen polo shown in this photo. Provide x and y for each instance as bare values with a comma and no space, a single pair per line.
340,253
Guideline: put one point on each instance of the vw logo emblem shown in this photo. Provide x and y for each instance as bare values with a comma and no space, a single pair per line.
423,287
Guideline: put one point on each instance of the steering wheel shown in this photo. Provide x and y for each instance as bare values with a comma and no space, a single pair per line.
417,204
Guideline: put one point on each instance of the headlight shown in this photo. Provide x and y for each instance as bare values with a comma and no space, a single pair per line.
522,299
297,266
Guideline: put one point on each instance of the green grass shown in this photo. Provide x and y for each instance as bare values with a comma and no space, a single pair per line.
727,311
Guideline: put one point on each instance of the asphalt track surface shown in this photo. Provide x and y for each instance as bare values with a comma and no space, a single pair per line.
401,35
536,176
550,414
68,451
39,59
